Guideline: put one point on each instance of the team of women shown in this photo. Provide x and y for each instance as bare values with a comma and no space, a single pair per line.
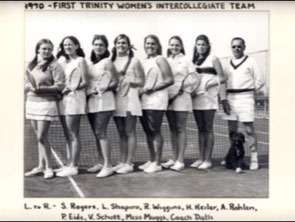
52,99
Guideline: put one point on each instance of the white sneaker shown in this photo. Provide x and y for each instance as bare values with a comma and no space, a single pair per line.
48,173
59,169
205,165
178,166
222,163
118,166
105,172
145,165
126,169
68,171
239,170
254,165
95,168
153,168
34,172
168,164
197,163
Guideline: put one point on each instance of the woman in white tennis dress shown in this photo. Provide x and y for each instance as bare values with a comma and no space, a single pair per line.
128,106
100,107
205,106
41,102
179,109
154,102
73,104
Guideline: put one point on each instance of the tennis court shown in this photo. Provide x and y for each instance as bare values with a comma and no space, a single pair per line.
189,183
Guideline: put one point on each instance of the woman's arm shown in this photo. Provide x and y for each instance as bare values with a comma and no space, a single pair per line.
83,67
166,72
58,80
138,81
222,79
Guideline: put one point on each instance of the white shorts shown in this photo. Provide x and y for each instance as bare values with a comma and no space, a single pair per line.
36,110
242,107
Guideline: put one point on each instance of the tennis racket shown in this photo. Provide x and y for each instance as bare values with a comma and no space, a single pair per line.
31,79
74,80
185,83
103,82
151,79
123,86
212,87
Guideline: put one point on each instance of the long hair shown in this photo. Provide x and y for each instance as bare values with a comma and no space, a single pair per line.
114,50
157,40
181,43
61,50
34,62
197,58
95,58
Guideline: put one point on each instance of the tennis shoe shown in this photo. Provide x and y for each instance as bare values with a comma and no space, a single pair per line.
95,168
178,166
168,164
48,173
153,168
145,165
34,172
126,169
254,161
59,169
205,165
105,172
68,171
196,164
118,166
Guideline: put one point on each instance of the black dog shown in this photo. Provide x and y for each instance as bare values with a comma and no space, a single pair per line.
235,156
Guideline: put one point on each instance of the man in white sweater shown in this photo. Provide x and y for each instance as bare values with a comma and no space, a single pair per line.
243,79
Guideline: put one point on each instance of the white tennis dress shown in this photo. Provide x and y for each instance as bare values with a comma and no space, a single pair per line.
130,102
207,72
98,103
74,102
157,100
180,64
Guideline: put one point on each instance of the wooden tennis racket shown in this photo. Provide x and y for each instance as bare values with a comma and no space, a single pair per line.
212,87
103,82
74,80
184,83
151,79
123,86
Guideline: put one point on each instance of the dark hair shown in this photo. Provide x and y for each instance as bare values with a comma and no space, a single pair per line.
181,43
61,50
95,58
157,40
197,58
238,38
34,62
114,50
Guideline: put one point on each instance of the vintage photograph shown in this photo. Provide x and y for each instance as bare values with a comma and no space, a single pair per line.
146,104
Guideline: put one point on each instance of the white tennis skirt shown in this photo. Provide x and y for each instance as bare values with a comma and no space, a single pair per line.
73,103
47,110
105,102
